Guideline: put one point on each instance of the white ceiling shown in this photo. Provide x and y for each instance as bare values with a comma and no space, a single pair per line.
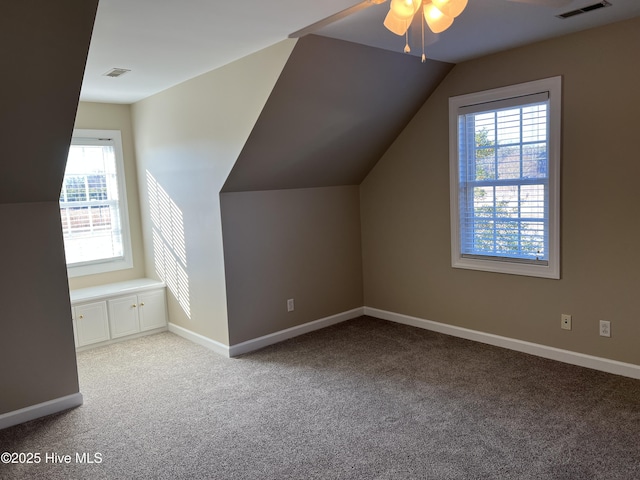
165,42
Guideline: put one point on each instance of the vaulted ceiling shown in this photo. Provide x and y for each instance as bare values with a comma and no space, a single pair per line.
347,90
167,42
44,40
333,112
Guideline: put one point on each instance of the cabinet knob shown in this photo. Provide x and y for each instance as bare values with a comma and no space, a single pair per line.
134,305
81,316
142,304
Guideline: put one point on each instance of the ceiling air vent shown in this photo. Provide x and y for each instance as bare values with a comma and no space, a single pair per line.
116,72
595,6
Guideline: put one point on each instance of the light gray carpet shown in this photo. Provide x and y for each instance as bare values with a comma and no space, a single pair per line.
366,399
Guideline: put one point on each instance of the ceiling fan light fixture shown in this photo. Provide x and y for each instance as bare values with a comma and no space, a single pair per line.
405,9
452,8
438,22
396,25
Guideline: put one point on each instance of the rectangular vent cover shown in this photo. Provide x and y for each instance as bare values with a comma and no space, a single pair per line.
595,6
116,72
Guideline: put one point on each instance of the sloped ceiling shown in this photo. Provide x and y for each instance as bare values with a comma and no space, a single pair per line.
43,46
333,112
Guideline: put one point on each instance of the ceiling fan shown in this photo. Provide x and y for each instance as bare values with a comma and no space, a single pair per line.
438,14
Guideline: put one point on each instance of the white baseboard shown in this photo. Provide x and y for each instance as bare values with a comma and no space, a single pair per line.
40,410
266,340
552,353
566,356
121,339
219,348
261,342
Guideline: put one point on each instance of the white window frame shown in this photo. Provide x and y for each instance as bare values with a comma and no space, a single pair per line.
84,136
552,269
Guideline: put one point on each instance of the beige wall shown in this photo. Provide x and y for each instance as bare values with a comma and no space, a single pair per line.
104,116
302,244
405,206
187,139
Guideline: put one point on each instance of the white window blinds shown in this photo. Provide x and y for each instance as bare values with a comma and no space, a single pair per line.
504,179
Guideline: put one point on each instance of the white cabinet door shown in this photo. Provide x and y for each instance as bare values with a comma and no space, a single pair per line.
152,310
92,324
75,326
123,316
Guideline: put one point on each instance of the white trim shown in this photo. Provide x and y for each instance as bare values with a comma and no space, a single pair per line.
127,287
125,338
266,340
552,353
574,358
194,337
40,410
553,86
276,337
114,264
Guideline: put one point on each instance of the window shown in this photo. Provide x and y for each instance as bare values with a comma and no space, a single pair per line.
505,168
93,205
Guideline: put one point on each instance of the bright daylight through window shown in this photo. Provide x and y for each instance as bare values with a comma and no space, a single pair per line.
93,204
505,166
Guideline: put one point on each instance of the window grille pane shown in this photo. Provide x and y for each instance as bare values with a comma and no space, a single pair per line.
508,127
534,240
507,202
483,237
485,122
532,200
534,123
507,238
97,185
534,160
79,221
75,189
101,217
483,202
509,162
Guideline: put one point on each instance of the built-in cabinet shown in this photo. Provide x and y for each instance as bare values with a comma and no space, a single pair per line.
117,311
91,323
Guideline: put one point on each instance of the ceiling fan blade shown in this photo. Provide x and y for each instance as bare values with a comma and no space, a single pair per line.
546,3
334,18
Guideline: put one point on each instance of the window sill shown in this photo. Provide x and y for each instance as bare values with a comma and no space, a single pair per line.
543,271
98,267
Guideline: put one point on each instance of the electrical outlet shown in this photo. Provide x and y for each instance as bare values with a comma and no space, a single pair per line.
605,328
565,321
290,305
